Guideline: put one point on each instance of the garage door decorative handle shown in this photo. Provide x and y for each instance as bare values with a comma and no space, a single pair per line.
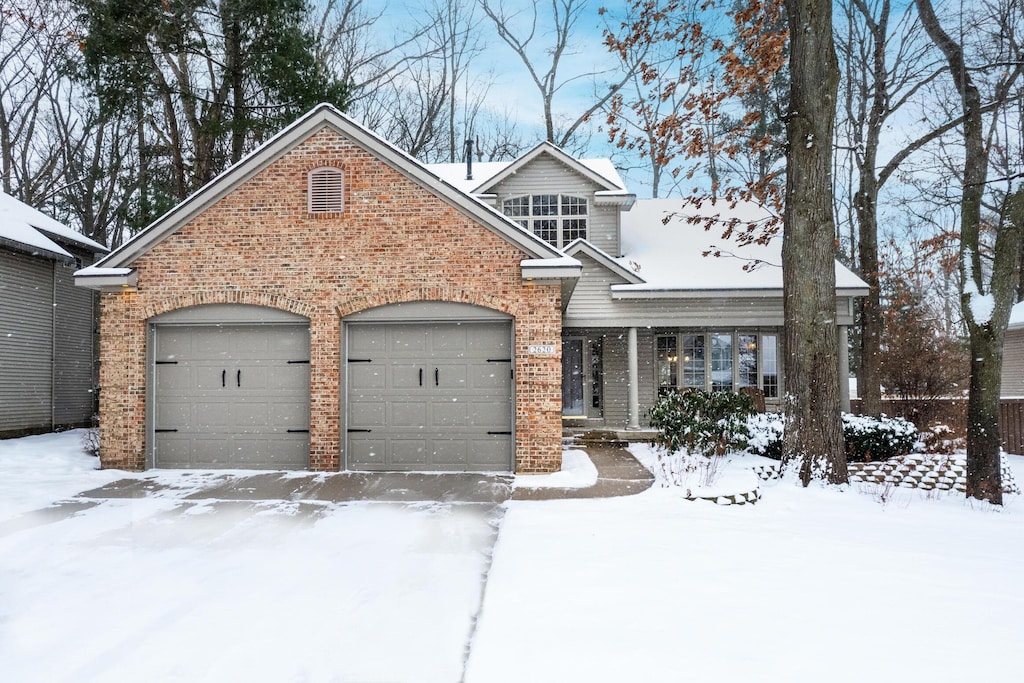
421,377
223,378
437,376
239,379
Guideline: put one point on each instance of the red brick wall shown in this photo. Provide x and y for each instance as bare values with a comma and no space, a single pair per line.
395,242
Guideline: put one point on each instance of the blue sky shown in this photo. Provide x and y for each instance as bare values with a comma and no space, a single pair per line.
514,92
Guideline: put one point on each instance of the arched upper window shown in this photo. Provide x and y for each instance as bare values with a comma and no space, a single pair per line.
326,190
558,219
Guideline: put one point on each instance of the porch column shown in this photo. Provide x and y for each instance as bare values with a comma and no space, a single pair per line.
844,368
633,416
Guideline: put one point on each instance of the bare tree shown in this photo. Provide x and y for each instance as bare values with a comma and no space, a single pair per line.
523,31
34,37
885,67
988,293
665,70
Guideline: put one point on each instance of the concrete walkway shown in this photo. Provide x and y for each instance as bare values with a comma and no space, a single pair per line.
618,474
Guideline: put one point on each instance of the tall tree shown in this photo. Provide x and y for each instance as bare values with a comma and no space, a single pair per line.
522,31
813,436
209,79
987,293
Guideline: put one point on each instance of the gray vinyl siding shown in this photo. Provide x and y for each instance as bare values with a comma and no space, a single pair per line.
592,305
1012,385
591,299
545,175
26,333
74,358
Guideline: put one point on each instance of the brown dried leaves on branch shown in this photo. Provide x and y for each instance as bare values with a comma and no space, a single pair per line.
687,138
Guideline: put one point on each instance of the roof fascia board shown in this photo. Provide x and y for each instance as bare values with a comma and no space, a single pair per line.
108,282
322,116
37,252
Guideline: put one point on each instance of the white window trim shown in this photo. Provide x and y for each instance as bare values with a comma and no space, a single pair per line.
529,219
707,334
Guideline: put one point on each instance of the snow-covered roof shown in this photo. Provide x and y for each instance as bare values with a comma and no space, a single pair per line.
670,256
484,172
1017,316
33,230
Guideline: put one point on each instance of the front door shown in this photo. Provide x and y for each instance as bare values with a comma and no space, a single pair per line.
573,402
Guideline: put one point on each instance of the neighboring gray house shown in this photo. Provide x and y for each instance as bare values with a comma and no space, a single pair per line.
47,325
651,312
1012,384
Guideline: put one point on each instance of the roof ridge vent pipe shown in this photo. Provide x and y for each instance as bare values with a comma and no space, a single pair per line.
469,158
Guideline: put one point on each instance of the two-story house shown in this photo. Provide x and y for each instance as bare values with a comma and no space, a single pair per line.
331,303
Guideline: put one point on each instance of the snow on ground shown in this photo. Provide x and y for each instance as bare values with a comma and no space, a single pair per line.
807,585
38,470
577,472
164,589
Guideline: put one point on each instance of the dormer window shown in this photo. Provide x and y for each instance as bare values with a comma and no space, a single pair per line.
558,219
326,190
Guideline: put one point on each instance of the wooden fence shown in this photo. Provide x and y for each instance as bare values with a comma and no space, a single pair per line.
953,412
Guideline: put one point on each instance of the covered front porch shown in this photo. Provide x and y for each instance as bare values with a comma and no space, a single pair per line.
612,376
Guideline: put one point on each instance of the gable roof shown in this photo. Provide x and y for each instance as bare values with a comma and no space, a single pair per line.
29,230
488,174
671,260
321,116
602,258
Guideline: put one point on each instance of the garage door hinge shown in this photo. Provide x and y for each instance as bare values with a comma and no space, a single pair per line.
499,360
498,433
359,360
166,362
298,431
362,431
160,431
298,362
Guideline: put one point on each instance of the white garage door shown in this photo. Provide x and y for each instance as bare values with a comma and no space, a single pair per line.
231,396
429,396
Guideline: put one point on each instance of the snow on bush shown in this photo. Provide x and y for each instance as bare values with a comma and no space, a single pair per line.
867,438
702,422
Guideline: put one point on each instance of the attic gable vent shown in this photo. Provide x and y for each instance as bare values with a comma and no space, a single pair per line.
326,190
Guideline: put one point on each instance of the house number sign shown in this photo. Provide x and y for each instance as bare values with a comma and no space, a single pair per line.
542,349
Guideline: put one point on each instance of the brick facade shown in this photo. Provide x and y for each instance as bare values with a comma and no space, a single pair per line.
394,242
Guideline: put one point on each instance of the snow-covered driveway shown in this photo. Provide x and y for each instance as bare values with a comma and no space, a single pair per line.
167,589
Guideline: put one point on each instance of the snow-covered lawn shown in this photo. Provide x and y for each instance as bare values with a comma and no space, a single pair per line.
808,585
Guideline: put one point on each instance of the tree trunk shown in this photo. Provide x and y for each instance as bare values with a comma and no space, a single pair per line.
986,314
868,380
813,435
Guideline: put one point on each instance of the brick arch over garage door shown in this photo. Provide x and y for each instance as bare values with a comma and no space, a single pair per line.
432,293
